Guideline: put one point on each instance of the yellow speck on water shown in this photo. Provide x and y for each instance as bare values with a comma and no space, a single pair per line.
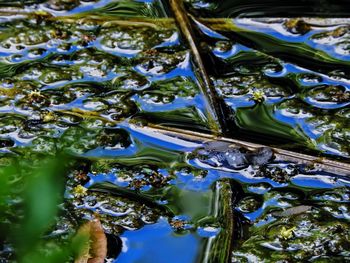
287,233
258,96
35,94
291,23
79,191
42,13
50,116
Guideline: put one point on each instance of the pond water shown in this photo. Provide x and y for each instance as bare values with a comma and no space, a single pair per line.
89,78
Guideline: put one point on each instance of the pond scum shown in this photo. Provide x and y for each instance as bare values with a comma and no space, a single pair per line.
174,131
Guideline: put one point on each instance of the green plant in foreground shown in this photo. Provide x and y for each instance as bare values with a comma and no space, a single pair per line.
40,191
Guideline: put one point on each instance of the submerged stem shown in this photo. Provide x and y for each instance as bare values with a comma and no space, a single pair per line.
214,108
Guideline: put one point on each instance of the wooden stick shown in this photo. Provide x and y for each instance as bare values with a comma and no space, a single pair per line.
183,21
325,164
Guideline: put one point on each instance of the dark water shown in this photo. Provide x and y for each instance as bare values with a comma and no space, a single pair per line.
282,8
300,75
77,78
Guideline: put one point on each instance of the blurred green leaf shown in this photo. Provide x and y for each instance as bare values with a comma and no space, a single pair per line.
40,191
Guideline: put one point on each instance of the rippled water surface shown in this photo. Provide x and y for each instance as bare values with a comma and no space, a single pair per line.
88,78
